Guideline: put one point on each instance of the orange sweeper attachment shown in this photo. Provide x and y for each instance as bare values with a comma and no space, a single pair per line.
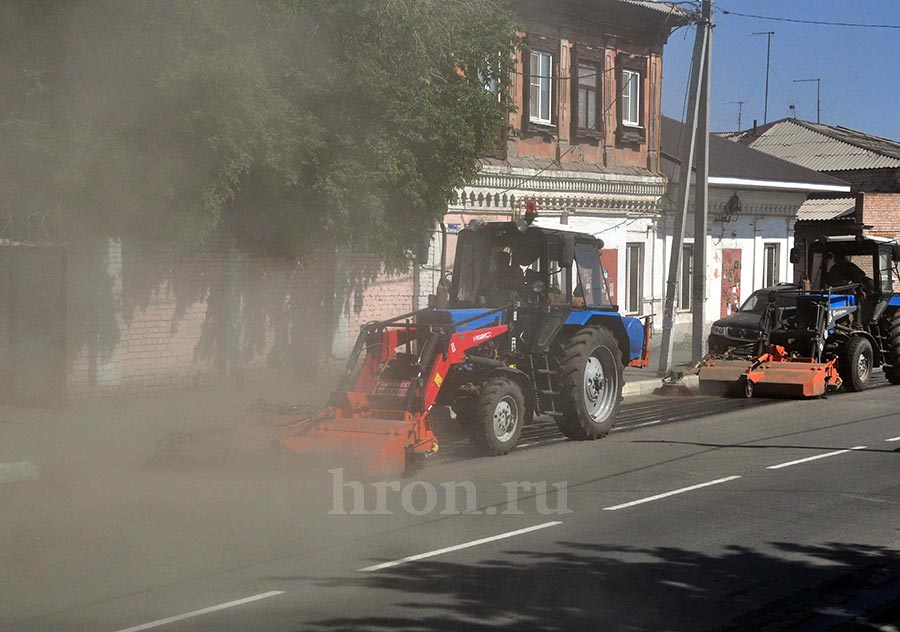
378,421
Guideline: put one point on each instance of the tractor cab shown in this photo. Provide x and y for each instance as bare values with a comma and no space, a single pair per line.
858,271
503,263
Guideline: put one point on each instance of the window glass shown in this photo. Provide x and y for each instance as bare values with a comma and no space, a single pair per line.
588,88
590,284
884,267
631,97
687,277
634,278
540,91
771,274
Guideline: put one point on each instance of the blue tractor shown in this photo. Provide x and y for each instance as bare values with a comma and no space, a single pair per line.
566,345
845,323
850,311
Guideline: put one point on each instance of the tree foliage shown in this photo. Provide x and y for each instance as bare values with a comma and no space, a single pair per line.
274,125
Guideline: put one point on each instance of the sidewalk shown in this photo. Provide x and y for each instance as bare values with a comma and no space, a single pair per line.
645,381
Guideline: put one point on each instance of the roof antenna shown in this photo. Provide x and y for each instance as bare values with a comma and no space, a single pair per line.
793,109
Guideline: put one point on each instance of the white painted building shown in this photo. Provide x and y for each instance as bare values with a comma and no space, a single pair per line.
753,204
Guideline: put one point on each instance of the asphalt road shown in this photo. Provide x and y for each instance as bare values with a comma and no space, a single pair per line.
695,514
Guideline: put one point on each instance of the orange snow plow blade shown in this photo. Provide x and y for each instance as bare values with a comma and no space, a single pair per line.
773,374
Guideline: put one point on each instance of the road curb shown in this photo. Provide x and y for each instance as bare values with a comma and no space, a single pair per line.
647,387
18,471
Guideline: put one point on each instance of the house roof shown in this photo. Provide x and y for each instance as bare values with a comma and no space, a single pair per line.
822,147
821,210
664,7
735,164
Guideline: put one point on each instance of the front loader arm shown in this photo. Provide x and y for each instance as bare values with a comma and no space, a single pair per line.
454,353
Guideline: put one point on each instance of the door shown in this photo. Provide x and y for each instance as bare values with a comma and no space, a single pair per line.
731,281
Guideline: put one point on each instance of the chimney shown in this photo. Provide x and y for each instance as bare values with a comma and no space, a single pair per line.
754,127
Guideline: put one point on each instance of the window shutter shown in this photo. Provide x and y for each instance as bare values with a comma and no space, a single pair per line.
526,88
573,85
617,95
555,85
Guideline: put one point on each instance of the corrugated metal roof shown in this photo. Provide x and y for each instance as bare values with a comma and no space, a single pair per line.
821,210
732,160
665,7
823,147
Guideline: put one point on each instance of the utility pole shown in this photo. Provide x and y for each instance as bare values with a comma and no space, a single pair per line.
698,73
818,96
701,196
740,105
768,35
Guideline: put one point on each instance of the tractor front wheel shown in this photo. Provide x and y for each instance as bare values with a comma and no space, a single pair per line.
892,366
498,416
855,363
591,379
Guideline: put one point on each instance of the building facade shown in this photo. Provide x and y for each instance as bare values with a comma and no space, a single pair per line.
754,200
584,137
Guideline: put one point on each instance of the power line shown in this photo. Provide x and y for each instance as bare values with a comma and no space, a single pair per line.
818,22
558,161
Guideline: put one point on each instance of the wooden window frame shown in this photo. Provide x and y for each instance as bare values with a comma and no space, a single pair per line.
549,47
638,248
583,55
773,247
629,133
686,278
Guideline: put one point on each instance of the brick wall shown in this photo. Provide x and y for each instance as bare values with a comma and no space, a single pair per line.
143,318
881,211
377,295
871,180
140,318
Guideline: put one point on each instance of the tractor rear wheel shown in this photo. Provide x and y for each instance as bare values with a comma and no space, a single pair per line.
496,423
855,363
892,372
590,377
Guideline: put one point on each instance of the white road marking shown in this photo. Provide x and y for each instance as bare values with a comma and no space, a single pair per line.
814,458
202,611
893,439
640,425
672,493
457,547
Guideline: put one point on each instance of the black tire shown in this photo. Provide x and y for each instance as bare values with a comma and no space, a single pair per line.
590,378
892,362
855,363
498,418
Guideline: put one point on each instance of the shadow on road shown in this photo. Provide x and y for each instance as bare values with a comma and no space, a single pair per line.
596,587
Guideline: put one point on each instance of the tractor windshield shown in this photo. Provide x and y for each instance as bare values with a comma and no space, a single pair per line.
591,287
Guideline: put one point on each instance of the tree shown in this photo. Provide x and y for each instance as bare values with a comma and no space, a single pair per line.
273,125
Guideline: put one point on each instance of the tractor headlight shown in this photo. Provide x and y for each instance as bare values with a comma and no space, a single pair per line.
537,287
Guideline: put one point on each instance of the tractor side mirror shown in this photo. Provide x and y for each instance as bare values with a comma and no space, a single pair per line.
795,254
568,251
